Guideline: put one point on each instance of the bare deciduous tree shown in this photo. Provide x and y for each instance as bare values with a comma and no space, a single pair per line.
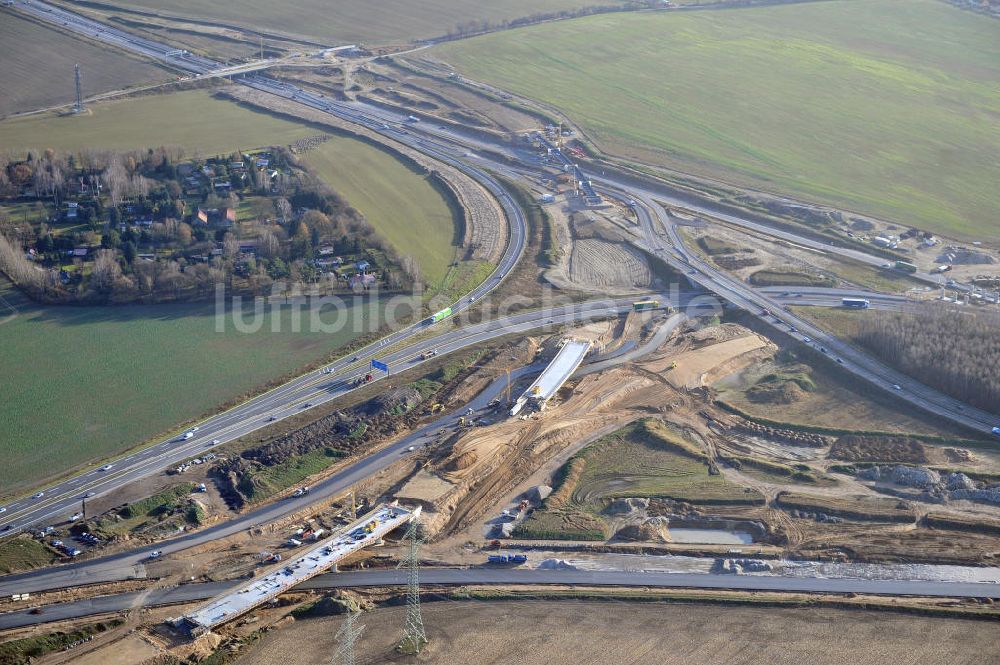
230,246
106,272
956,351
267,244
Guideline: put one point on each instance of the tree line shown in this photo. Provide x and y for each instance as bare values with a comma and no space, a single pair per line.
954,350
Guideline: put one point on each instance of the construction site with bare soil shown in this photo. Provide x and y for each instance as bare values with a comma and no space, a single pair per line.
662,481
633,464
671,444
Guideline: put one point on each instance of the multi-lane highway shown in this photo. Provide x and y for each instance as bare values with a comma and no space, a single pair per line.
131,564
430,577
314,388
673,250
169,55
660,237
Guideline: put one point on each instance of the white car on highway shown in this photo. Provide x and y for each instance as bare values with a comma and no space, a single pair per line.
2,509
107,467
39,495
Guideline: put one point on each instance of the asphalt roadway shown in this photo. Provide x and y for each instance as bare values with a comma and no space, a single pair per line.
132,564
284,401
63,499
673,251
444,145
502,576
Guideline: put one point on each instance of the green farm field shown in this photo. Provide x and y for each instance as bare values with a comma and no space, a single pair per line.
887,107
402,204
38,61
84,383
193,120
356,20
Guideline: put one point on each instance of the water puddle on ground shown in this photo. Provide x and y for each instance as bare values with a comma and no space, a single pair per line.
710,536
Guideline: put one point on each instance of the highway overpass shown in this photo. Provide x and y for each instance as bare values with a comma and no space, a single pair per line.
363,532
553,377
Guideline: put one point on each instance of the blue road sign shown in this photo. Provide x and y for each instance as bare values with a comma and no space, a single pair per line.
377,364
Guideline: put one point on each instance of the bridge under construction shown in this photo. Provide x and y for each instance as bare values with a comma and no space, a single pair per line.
554,376
361,533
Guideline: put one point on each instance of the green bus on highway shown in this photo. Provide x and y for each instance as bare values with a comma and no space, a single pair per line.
641,305
444,313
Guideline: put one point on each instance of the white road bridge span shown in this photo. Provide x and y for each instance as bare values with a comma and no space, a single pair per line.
554,376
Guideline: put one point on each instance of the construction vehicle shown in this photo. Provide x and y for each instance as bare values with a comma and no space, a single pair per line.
673,365
428,354
437,407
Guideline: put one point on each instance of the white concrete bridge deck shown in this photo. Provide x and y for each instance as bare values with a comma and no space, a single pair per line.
322,556
555,375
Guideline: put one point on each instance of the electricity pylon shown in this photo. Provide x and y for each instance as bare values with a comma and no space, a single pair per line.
78,107
414,637
348,635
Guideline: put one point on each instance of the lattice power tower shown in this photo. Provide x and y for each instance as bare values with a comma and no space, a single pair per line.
78,108
348,635
414,637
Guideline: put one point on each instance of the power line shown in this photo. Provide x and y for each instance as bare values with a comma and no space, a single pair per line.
414,637
79,93
348,635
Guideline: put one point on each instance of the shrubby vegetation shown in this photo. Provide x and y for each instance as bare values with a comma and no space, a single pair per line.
955,351
27,649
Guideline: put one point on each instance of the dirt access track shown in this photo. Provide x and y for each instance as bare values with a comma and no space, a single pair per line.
485,233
